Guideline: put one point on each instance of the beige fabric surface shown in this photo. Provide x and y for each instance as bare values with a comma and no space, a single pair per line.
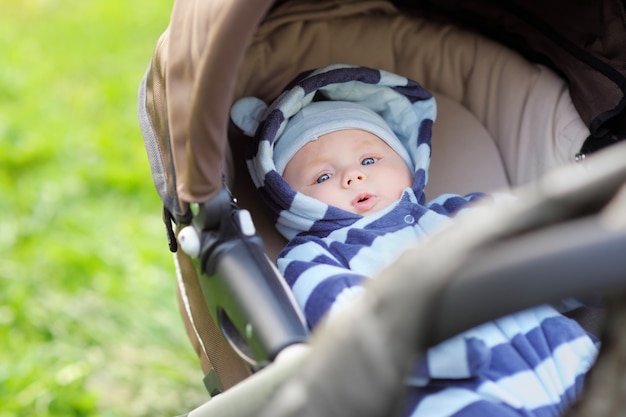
525,108
200,51
502,120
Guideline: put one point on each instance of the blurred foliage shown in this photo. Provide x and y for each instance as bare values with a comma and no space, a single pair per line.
89,324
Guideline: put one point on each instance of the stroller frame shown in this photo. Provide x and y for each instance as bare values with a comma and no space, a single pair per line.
178,115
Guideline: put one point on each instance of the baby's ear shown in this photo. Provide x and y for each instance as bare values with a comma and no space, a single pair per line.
247,113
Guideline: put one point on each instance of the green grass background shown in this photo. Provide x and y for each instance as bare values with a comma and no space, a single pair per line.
89,324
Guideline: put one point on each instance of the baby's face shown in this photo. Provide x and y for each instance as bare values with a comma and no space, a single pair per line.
353,170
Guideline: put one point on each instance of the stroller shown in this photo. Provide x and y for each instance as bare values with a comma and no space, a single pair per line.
540,78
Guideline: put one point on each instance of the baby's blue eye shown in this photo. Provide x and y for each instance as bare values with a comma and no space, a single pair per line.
322,178
368,161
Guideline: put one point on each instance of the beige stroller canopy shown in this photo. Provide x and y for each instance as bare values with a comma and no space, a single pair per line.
194,74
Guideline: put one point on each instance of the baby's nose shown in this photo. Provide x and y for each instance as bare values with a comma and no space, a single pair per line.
352,176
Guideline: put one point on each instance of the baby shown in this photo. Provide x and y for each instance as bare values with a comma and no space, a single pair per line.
341,159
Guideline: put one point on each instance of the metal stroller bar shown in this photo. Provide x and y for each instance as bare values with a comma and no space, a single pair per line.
532,269
571,240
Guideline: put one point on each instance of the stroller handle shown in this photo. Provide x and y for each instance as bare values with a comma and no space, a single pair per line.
251,303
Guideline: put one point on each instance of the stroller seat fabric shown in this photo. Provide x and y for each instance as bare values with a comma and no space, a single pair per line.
483,124
531,363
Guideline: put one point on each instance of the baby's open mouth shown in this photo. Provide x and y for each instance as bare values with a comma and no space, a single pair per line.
364,202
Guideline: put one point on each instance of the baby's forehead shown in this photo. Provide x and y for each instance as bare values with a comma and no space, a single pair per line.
350,139
340,143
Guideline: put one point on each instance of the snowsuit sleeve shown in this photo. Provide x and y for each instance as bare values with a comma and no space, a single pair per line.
320,279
